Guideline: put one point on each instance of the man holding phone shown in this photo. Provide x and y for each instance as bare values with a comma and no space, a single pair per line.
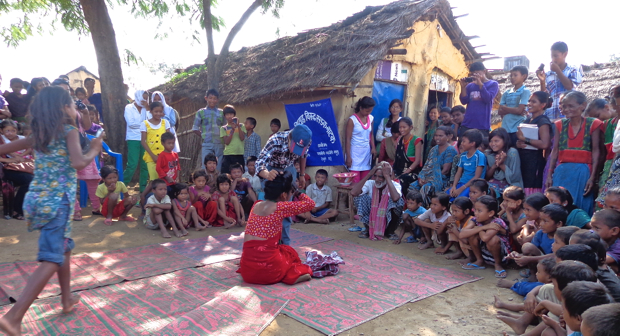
233,135
478,95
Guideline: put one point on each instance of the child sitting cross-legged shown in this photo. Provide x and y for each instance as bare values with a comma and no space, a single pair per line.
200,197
461,209
532,207
109,192
321,194
512,210
607,224
413,211
434,221
603,320
185,213
552,217
543,276
242,188
159,206
472,164
488,237
229,209
562,237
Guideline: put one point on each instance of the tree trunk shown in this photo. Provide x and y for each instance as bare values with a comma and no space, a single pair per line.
113,95
212,80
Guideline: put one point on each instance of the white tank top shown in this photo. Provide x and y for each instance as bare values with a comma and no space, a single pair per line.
361,133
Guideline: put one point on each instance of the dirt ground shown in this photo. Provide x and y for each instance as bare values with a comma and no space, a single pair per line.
465,310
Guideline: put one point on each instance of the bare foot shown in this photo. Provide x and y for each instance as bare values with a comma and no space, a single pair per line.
67,308
166,235
441,250
306,221
184,232
516,325
503,283
178,233
426,245
305,277
498,303
8,328
507,314
397,241
324,221
422,240
456,255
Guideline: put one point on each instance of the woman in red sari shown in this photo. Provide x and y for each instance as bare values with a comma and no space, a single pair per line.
264,260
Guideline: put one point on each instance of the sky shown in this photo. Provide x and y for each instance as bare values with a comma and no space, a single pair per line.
506,28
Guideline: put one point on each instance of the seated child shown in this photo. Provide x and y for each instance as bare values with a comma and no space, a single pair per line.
576,217
252,177
158,206
185,213
512,212
532,207
433,221
612,199
321,194
543,276
607,224
109,193
488,237
413,211
603,320
461,210
552,216
167,165
9,132
229,209
548,296
200,197
242,188
478,188
605,275
472,164
307,179
577,297
562,237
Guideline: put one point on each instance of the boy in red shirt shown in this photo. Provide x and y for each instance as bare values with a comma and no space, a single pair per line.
168,162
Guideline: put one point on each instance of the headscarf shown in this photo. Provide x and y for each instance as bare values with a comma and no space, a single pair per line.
169,113
138,98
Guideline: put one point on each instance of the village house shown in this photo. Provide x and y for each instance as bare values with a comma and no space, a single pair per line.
410,50
78,75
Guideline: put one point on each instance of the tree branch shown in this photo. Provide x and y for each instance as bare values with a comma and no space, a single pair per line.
208,22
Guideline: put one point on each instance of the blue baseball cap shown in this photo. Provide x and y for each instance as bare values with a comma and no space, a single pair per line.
302,138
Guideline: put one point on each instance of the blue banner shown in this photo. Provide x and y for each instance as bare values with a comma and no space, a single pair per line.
326,149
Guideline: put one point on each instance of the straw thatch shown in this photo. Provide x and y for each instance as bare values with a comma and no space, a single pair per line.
334,56
597,81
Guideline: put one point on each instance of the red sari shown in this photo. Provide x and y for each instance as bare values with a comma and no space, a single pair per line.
267,262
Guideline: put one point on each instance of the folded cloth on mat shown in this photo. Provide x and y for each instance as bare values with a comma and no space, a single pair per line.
323,265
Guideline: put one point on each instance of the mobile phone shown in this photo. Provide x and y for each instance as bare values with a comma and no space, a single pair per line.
99,132
541,67
469,79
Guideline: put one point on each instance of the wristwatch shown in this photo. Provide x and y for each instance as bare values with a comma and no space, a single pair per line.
527,141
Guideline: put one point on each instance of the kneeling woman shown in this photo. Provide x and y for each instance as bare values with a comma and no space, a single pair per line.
264,260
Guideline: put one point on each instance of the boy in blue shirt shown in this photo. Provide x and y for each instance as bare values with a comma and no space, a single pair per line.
513,102
414,209
472,165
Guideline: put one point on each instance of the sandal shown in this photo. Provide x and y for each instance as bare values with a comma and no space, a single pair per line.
525,273
19,217
471,267
411,239
501,274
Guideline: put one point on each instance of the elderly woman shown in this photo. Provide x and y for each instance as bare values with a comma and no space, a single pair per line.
378,199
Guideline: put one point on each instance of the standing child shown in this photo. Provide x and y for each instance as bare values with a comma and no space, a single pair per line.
109,194
152,131
552,217
275,126
413,211
512,211
433,222
359,136
210,170
432,122
93,114
168,166
512,104
185,213
229,210
607,224
159,206
251,144
409,152
576,216
252,177
200,197
387,149
611,175
233,136
533,152
321,194
488,237
472,164
576,146
532,207
461,210
49,202
242,188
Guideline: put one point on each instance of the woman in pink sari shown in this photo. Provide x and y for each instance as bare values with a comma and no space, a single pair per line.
264,260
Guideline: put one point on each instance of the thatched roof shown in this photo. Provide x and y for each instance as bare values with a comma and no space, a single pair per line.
337,55
597,81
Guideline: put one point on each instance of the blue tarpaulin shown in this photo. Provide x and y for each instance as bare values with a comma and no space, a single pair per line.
326,149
